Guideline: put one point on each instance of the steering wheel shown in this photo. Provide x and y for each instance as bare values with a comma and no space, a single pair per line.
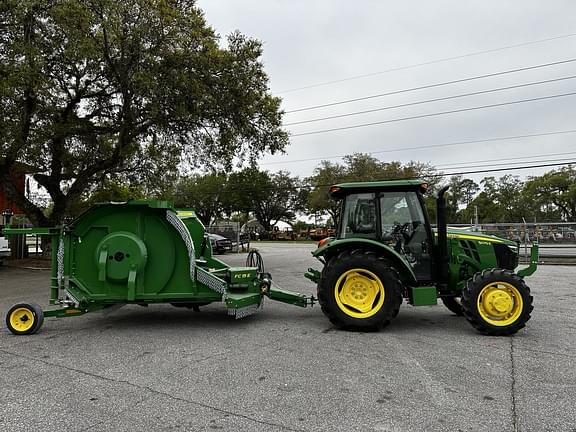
403,229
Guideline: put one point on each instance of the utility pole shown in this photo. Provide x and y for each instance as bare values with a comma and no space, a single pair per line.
475,218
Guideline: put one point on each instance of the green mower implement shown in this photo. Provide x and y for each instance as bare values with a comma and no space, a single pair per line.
142,252
386,251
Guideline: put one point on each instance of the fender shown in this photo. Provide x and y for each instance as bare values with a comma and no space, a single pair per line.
335,246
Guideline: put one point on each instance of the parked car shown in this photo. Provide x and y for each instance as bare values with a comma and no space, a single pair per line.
219,243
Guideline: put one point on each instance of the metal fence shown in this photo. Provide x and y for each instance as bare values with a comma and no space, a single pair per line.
24,246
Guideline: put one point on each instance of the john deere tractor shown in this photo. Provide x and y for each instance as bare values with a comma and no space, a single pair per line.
386,251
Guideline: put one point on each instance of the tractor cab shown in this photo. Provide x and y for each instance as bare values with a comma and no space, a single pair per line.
390,213
392,217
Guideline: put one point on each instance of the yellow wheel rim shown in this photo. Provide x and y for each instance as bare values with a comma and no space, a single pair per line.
22,319
500,304
359,293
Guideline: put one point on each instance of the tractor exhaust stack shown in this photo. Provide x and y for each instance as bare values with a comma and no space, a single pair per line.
442,240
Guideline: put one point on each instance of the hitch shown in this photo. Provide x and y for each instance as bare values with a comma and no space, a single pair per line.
528,271
273,291
290,297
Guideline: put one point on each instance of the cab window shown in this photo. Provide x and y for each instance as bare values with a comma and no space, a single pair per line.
359,217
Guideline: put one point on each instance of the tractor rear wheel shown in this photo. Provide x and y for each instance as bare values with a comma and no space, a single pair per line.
497,302
453,304
359,290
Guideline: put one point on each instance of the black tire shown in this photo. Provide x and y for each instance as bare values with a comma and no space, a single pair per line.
372,275
24,318
505,289
453,304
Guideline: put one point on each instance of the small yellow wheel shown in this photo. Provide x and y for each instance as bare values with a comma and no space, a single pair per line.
24,318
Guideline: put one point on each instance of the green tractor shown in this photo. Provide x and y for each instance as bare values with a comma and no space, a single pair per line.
385,250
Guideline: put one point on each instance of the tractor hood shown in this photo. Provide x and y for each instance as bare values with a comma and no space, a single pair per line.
477,236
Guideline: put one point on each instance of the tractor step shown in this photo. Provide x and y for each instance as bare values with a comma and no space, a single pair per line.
423,296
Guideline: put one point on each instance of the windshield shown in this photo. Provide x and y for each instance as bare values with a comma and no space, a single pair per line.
398,209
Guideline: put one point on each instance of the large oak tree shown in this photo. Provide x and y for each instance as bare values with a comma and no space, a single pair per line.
93,88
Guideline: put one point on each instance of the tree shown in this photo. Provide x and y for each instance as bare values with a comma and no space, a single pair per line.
111,190
202,193
98,87
326,174
501,200
461,193
488,210
269,197
553,193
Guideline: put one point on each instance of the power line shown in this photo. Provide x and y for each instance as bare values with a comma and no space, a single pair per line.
445,59
436,114
498,89
457,143
507,169
507,163
441,84
523,158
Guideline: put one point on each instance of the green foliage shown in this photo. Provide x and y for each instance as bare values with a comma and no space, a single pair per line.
244,188
326,174
270,197
550,197
97,87
204,194
461,193
554,195
115,191
501,200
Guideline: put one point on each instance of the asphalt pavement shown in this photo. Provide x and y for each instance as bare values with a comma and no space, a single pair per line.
287,369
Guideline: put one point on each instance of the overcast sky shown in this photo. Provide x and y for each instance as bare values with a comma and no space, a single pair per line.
317,41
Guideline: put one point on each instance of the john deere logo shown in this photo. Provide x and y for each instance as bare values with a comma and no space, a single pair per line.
241,275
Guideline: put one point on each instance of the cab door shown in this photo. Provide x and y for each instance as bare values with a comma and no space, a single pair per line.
404,225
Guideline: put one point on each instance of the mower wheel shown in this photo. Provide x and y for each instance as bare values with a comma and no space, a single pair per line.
497,302
453,304
24,318
359,290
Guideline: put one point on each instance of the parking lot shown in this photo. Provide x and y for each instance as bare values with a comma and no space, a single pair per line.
287,368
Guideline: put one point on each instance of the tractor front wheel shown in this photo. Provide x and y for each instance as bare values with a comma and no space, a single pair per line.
24,318
497,302
359,290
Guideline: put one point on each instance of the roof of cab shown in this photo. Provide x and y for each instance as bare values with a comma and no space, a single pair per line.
342,189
